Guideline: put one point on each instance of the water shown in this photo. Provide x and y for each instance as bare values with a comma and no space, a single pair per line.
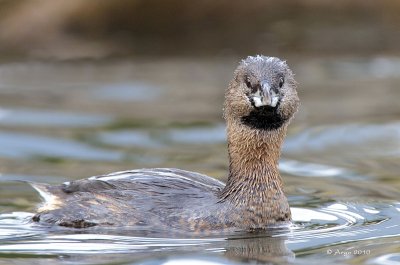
340,161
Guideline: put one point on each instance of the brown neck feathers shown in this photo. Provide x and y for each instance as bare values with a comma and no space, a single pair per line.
253,163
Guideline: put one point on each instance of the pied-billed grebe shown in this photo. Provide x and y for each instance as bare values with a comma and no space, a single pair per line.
260,101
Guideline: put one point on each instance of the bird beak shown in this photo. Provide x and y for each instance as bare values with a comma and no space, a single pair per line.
265,96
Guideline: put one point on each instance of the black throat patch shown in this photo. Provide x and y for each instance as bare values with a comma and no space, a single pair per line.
264,118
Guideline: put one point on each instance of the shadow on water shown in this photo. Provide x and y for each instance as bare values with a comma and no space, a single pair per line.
341,177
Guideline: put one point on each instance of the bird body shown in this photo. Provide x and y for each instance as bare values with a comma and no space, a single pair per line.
260,101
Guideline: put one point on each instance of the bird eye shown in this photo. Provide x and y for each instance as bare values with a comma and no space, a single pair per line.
281,81
247,81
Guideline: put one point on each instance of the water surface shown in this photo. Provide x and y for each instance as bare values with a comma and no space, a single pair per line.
340,162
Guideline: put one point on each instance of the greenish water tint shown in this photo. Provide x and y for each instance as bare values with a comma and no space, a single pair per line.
340,162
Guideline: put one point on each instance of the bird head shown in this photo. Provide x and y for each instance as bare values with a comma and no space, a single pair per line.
262,94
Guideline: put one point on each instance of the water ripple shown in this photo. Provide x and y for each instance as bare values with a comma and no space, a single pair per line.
51,118
313,227
22,145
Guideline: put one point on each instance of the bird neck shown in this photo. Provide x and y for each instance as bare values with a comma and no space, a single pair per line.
253,163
